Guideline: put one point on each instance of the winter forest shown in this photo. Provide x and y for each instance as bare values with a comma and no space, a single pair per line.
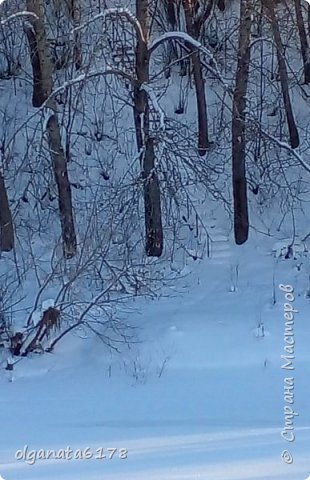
154,239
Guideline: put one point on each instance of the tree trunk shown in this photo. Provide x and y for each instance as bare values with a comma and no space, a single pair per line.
153,220
6,222
203,134
171,13
293,132
303,40
152,201
193,30
63,185
76,18
53,129
43,82
38,97
241,216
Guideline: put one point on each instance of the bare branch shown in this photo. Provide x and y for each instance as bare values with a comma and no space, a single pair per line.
115,11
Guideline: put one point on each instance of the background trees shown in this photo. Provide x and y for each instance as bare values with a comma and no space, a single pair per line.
42,90
106,142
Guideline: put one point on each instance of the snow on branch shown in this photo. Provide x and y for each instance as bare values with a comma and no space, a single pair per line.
118,12
46,108
174,36
17,15
88,76
288,148
48,112
193,44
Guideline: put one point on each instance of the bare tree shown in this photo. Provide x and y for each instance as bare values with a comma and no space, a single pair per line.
145,142
6,223
293,132
43,84
193,27
303,40
75,12
241,216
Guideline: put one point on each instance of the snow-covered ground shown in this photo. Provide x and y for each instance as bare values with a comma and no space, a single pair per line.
201,397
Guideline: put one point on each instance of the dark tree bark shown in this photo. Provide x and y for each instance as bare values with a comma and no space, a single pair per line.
153,220
241,216
38,96
303,40
193,27
171,13
221,5
293,132
6,222
63,186
152,201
